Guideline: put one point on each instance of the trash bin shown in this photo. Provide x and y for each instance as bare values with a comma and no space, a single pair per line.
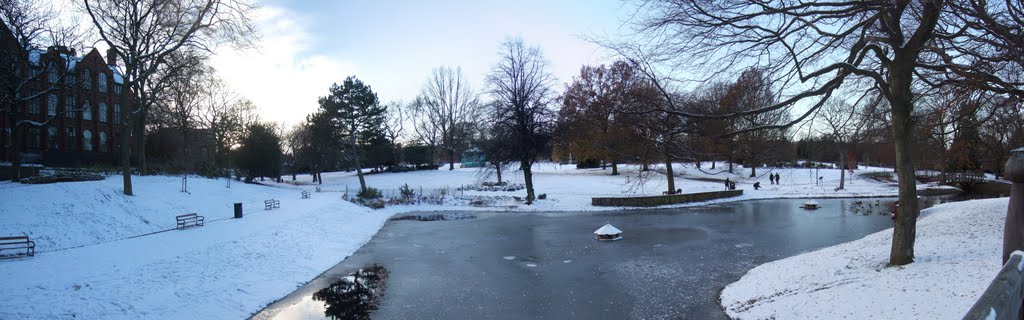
238,210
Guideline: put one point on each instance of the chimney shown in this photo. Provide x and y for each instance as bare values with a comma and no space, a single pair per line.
112,57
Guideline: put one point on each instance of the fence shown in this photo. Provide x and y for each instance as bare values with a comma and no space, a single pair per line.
1002,299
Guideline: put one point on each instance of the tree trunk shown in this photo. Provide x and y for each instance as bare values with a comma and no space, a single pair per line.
646,167
730,163
668,172
713,164
698,163
497,168
753,169
905,228
451,159
141,142
528,180
16,136
842,171
615,167
126,155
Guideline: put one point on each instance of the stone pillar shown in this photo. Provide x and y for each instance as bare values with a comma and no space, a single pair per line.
1013,234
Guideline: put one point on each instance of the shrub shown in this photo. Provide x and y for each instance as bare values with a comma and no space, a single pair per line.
370,193
406,191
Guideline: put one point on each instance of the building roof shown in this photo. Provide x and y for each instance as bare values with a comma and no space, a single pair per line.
608,229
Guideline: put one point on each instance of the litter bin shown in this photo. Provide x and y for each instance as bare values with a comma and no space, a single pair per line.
238,210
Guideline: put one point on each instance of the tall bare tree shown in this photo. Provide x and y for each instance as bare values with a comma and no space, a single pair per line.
813,48
522,89
447,104
145,33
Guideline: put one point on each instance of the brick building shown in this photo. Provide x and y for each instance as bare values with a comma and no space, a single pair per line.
78,104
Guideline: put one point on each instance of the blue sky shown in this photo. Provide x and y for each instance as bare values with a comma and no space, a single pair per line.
394,45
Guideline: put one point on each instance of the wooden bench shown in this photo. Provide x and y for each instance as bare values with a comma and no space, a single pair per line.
17,243
305,194
271,204
190,219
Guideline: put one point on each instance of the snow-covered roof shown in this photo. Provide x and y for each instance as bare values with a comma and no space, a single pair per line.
811,203
608,229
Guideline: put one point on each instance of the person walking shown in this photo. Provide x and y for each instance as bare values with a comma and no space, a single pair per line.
726,183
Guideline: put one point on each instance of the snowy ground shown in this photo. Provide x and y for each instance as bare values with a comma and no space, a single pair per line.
101,255
570,189
958,252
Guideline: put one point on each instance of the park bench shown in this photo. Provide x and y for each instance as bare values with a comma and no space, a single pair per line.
190,219
271,204
17,243
305,194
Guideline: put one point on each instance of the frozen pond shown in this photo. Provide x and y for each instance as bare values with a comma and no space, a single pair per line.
671,263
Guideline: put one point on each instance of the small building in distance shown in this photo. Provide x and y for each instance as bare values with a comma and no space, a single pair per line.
473,158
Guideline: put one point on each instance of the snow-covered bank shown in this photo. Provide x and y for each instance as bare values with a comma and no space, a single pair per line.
957,254
226,270
570,189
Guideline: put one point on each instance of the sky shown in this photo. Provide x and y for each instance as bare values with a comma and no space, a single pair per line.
394,45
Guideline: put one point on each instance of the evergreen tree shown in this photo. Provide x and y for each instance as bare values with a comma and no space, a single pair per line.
260,154
357,117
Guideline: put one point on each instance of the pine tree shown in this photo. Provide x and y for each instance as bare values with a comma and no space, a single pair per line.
357,117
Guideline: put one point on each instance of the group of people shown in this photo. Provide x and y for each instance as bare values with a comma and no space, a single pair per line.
773,177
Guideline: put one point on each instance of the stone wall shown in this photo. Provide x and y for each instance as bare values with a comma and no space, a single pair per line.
652,201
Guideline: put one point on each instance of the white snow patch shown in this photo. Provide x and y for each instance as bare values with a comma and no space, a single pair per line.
958,252
509,257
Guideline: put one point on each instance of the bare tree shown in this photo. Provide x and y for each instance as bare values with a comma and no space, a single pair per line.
447,103
814,48
144,34
522,89
188,82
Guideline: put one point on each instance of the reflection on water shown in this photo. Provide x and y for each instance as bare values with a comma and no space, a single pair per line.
354,296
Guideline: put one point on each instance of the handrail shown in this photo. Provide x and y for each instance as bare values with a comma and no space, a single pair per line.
1002,299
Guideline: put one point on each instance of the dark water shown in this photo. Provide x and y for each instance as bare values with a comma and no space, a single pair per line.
670,264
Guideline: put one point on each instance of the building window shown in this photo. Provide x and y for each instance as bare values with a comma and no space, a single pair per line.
102,112
34,72
87,140
51,105
103,141
34,138
69,107
51,72
117,89
101,80
51,138
70,141
86,111
86,80
117,113
33,104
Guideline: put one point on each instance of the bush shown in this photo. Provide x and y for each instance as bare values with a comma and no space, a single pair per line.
406,191
370,193
588,164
